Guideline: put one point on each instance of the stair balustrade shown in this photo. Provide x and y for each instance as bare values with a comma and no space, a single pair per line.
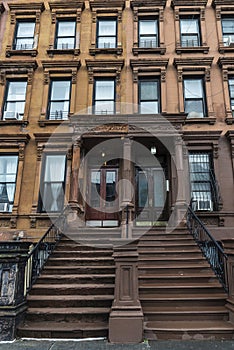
39,253
211,249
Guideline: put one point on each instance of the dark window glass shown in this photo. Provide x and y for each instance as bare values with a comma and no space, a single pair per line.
190,32
194,99
59,100
14,100
228,31
8,171
149,96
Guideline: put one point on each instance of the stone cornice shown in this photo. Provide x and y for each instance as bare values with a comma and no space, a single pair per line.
193,62
185,3
22,7
53,138
60,64
13,140
149,63
18,65
223,3
66,5
226,61
202,135
147,3
230,135
104,64
107,4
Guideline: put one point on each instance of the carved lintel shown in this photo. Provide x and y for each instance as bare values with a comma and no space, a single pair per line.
163,75
225,75
13,222
46,78
218,14
21,150
13,17
180,75
33,222
177,15
207,74
53,17
39,152
161,15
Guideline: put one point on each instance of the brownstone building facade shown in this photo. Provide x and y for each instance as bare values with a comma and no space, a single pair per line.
93,77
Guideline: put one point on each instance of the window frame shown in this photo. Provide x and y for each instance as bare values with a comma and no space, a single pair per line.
197,33
158,100
156,35
58,21
16,37
228,34
113,100
231,78
10,203
40,206
98,36
6,100
227,66
200,98
52,80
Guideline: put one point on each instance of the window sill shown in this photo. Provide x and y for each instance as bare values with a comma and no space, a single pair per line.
52,52
115,51
11,52
148,50
44,122
223,49
14,122
204,120
194,49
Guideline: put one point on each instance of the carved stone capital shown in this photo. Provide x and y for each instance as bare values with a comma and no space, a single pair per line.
225,75
202,16
218,14
69,154
163,75
33,222
3,77
13,222
90,75
215,150
207,74
53,17
38,16
39,152
135,75
74,76
46,78
21,151
13,18
94,16
30,76
161,15
180,75
78,16
119,16
177,15
135,16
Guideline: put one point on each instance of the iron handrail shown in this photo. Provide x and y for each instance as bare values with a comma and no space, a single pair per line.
39,253
210,248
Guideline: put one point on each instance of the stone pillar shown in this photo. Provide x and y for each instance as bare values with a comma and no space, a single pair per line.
75,218
13,257
126,317
127,191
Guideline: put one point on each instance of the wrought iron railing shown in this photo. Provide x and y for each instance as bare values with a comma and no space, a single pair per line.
211,249
39,253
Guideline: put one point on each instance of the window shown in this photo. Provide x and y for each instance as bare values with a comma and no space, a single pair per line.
231,91
52,184
149,96
65,34
148,33
194,99
8,171
189,32
59,100
203,185
107,33
104,96
24,35
228,31
15,100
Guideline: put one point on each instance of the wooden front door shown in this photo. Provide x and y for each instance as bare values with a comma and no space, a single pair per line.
102,208
151,195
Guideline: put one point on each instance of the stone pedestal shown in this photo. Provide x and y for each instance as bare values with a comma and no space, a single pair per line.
126,317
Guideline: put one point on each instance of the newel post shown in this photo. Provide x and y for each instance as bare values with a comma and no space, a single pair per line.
229,250
126,317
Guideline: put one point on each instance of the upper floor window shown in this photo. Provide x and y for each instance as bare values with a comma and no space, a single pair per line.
148,33
52,183
104,96
149,96
202,181
228,31
194,98
106,33
8,171
59,99
190,32
65,34
14,103
24,35
231,92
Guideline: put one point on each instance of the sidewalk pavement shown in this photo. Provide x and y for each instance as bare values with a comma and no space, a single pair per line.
25,344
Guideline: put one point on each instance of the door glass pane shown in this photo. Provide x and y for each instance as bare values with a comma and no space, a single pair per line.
159,188
110,186
95,189
143,200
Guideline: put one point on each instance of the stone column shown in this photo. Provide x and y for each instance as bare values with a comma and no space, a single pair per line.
126,317
127,191
75,218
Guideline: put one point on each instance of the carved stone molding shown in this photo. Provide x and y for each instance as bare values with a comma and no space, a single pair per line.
66,8
149,67
17,67
61,67
193,3
98,67
39,152
193,62
106,6
20,9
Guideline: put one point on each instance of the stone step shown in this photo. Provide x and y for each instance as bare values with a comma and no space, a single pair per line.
79,269
68,314
70,300
178,269
72,289
79,261
182,299
179,278
64,330
175,288
167,259
71,278
79,253
71,245
188,330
